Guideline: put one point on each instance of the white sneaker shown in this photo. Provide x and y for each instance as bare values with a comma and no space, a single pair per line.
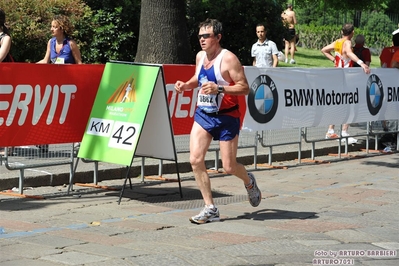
292,61
286,60
350,140
206,215
344,134
254,194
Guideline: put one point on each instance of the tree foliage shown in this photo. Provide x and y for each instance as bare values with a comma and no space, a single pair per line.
320,22
109,29
380,21
104,31
111,38
30,22
112,31
340,5
239,19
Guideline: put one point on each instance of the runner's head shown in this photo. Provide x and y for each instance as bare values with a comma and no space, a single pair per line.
347,29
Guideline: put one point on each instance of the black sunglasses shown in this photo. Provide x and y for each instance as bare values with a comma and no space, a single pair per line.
205,36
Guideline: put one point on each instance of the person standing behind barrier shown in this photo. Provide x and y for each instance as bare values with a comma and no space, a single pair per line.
220,78
343,58
289,20
395,60
61,49
389,58
264,51
5,46
5,39
360,51
388,52
364,54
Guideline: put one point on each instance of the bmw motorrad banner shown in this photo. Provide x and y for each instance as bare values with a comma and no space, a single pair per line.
306,97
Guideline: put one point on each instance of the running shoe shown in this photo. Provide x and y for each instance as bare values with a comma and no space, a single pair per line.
292,61
350,140
254,194
345,134
206,215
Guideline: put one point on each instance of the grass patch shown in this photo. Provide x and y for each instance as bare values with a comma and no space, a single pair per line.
309,58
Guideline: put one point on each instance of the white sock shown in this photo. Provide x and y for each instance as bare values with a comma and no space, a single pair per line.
212,207
249,184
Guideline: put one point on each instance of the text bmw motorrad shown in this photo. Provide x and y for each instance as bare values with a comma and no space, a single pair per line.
310,97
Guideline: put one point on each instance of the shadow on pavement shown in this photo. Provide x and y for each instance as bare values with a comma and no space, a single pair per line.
273,214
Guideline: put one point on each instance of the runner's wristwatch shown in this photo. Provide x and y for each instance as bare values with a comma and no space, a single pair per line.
220,89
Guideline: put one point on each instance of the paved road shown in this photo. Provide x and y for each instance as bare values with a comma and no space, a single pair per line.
339,213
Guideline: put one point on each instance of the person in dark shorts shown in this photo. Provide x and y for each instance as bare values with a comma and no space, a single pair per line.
220,80
289,20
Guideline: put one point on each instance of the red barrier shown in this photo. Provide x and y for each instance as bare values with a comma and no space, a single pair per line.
180,105
43,103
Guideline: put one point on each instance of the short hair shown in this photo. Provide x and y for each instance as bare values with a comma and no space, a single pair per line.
64,23
347,29
395,37
214,23
261,25
359,39
289,5
3,21
2,17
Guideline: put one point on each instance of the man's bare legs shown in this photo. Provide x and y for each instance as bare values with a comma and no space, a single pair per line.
200,140
228,150
345,128
199,144
290,48
286,50
344,133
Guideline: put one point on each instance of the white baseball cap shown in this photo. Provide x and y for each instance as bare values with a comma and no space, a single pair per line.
395,32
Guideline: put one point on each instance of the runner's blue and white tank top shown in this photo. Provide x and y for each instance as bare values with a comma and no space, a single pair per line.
214,103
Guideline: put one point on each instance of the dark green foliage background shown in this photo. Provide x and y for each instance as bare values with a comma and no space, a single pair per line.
109,29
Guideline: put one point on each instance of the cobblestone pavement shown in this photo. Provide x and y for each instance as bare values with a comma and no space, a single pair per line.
344,212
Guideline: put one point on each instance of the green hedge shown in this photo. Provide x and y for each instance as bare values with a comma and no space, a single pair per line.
102,35
30,22
316,37
111,32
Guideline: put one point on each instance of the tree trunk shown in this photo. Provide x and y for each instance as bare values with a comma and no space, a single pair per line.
163,37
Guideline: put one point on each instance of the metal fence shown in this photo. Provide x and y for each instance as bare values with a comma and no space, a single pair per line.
22,158
247,139
26,157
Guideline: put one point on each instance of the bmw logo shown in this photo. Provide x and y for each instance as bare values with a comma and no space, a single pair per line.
263,99
375,94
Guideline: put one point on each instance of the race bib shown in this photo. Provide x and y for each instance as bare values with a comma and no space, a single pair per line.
59,61
210,103
206,100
